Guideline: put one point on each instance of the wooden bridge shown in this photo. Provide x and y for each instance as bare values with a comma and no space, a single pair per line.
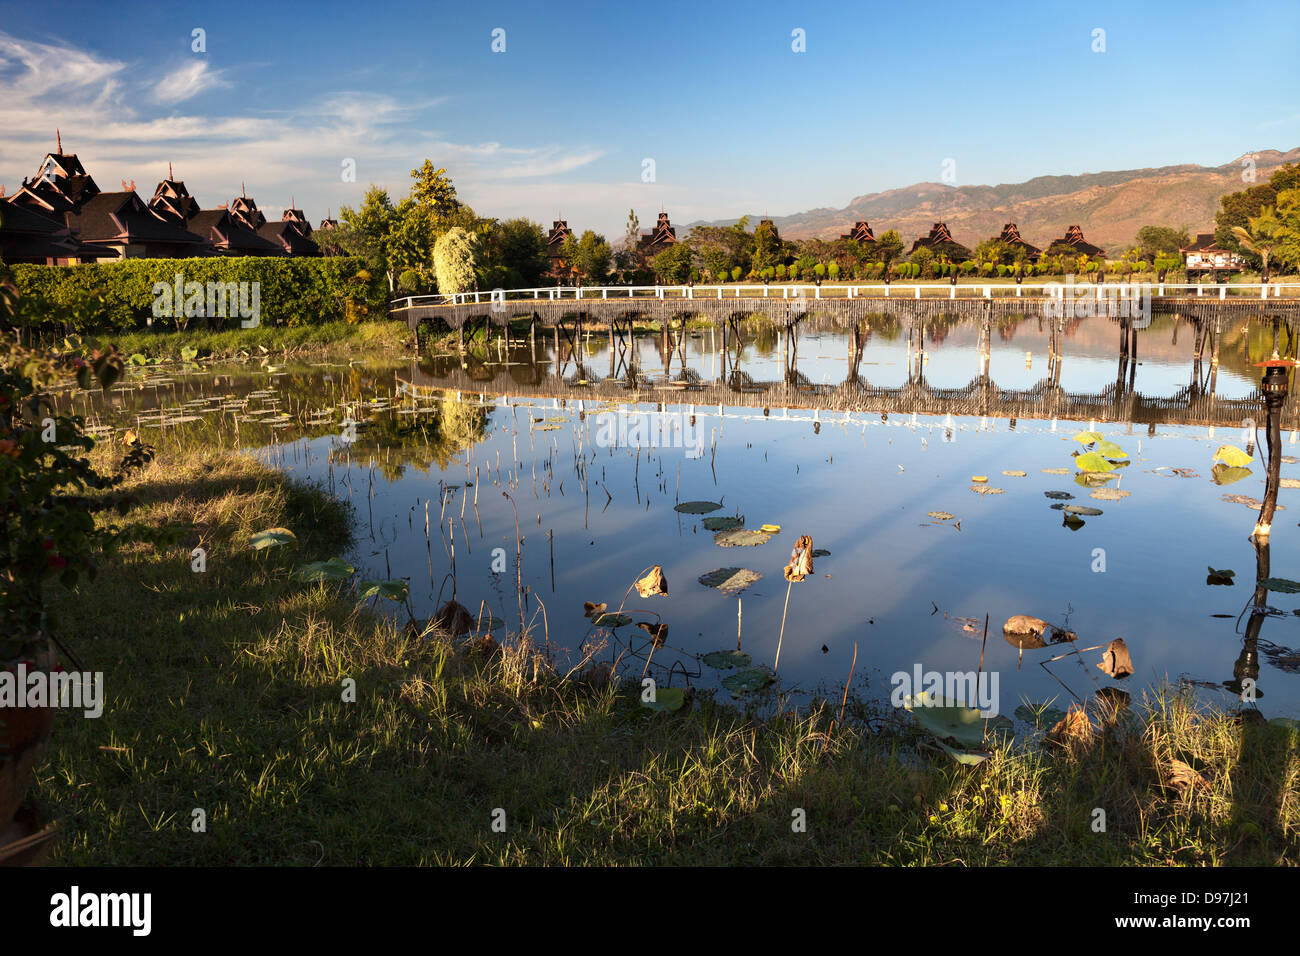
1128,303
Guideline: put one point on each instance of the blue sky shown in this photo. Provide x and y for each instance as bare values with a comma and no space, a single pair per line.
562,121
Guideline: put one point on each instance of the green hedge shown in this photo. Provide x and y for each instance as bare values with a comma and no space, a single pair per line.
120,296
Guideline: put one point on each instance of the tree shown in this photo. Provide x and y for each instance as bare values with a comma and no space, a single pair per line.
1261,235
1237,208
434,192
992,251
408,244
673,265
767,248
364,232
1288,211
454,259
515,254
1155,241
588,256
632,237
889,247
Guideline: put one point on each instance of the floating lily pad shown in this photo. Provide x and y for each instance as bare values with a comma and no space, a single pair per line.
964,726
1058,495
770,528
1082,510
749,680
740,538
726,660
1088,438
1281,585
1232,456
393,590
1056,471
979,479
611,620
938,516
720,523
730,580
1092,461
820,553
666,698
1220,577
1109,494
1222,474
1015,473
1111,451
970,758
697,507
273,537
1093,479
335,569
986,490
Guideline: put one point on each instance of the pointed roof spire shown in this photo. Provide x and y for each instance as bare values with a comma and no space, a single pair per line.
241,190
169,170
58,138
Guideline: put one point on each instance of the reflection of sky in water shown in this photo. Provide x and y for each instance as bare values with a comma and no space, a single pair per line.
861,489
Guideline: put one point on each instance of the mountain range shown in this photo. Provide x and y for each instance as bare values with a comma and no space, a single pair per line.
1109,207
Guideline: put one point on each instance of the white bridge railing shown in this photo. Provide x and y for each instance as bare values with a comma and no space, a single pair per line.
969,290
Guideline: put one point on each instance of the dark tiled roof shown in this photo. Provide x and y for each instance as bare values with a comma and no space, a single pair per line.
289,238
1074,237
123,217
28,235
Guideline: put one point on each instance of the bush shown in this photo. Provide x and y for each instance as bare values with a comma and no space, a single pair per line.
409,281
119,296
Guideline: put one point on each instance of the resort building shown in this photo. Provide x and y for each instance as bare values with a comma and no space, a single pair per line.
61,217
657,239
29,237
1203,258
1073,243
1011,236
861,232
120,221
942,244
555,240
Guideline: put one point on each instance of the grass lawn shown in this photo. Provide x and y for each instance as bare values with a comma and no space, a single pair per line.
225,693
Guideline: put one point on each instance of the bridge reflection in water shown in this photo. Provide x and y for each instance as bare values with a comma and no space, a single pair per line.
566,368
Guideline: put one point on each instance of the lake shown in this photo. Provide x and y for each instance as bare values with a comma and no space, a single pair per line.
869,445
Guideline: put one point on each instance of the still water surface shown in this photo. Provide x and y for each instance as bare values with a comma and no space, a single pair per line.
595,487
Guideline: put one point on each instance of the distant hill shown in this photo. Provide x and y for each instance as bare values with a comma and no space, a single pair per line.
1110,207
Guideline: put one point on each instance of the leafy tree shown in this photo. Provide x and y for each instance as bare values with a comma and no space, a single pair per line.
434,192
364,232
1162,240
889,247
517,247
1261,235
1237,208
1288,211
454,259
588,256
673,265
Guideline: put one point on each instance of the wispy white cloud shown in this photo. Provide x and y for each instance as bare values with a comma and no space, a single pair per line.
128,120
186,82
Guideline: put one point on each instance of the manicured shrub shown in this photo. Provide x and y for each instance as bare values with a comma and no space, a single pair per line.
120,295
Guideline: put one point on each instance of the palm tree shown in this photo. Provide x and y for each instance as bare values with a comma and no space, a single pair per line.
1262,237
